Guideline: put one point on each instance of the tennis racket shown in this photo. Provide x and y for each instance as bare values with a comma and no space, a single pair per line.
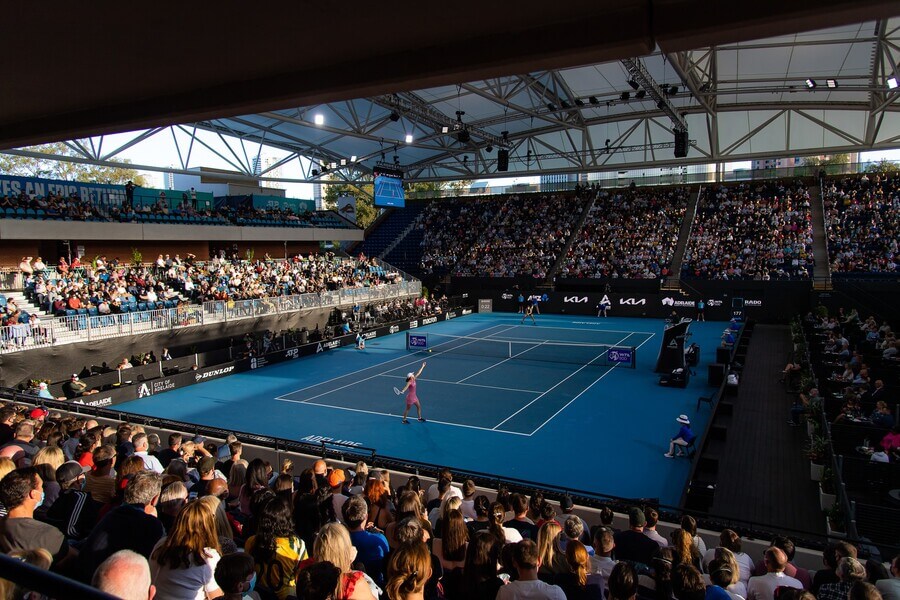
397,391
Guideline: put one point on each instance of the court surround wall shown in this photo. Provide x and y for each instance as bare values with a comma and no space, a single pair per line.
210,370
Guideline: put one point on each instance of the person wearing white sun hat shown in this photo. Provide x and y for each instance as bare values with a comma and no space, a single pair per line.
683,439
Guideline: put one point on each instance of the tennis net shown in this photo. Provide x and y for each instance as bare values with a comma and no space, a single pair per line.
600,355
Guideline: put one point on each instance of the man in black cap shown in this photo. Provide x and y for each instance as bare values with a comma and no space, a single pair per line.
207,471
632,544
74,513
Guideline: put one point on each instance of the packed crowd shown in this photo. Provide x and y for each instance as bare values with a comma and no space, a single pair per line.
629,235
109,284
862,219
513,236
524,239
185,210
751,231
187,518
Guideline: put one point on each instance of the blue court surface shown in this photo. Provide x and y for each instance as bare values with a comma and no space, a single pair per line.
542,416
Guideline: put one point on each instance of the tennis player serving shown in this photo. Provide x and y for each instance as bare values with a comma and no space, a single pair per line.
411,398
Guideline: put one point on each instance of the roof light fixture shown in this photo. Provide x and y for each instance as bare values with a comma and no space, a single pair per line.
319,119
811,84
832,83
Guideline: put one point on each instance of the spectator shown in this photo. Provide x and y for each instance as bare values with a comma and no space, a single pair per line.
453,539
762,587
480,580
22,439
99,482
632,544
371,545
578,582
183,562
520,522
21,492
408,571
333,545
125,575
683,549
890,588
173,451
623,582
236,577
277,550
862,223
687,584
141,448
849,571
74,513
830,557
527,562
130,526
652,518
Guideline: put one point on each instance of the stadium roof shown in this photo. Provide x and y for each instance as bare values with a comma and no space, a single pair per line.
822,90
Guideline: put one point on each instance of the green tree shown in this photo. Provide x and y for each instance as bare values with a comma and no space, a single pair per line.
883,166
827,160
50,168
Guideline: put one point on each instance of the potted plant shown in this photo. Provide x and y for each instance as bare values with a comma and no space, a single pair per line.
814,417
826,490
815,451
834,522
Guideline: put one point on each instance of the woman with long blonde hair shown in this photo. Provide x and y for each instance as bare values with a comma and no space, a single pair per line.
333,545
547,551
579,582
183,563
408,571
47,461
684,551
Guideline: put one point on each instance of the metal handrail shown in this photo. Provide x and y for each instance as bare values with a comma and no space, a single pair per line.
349,453
48,583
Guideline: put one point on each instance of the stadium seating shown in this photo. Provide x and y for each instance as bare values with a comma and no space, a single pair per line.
628,234
862,219
751,231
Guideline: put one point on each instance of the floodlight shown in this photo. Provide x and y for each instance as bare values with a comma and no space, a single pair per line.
332,165
319,119
489,148
832,83
353,158
810,84
640,94
343,162
673,90
395,116
445,129
625,96
892,83
579,102
593,100
633,84
409,138
315,172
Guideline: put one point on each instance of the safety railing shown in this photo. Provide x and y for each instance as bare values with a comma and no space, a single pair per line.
87,327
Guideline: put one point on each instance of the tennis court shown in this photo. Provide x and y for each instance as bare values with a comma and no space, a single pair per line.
536,402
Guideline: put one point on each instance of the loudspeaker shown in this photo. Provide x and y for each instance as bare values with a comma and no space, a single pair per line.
502,160
681,144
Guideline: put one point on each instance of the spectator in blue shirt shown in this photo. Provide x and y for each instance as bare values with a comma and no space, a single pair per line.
684,438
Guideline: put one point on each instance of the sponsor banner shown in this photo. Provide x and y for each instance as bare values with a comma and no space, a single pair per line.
450,314
10,185
620,355
417,341
465,311
678,302
145,389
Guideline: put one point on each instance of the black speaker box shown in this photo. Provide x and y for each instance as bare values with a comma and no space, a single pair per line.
502,160
681,144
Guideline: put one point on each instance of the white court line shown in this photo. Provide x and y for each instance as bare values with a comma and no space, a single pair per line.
584,390
372,412
556,386
490,387
371,367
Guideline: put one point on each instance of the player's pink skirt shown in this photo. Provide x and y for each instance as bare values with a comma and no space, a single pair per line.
411,397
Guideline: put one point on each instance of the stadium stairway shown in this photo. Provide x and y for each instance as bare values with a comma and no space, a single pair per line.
388,231
673,282
822,268
576,231
26,305
406,253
